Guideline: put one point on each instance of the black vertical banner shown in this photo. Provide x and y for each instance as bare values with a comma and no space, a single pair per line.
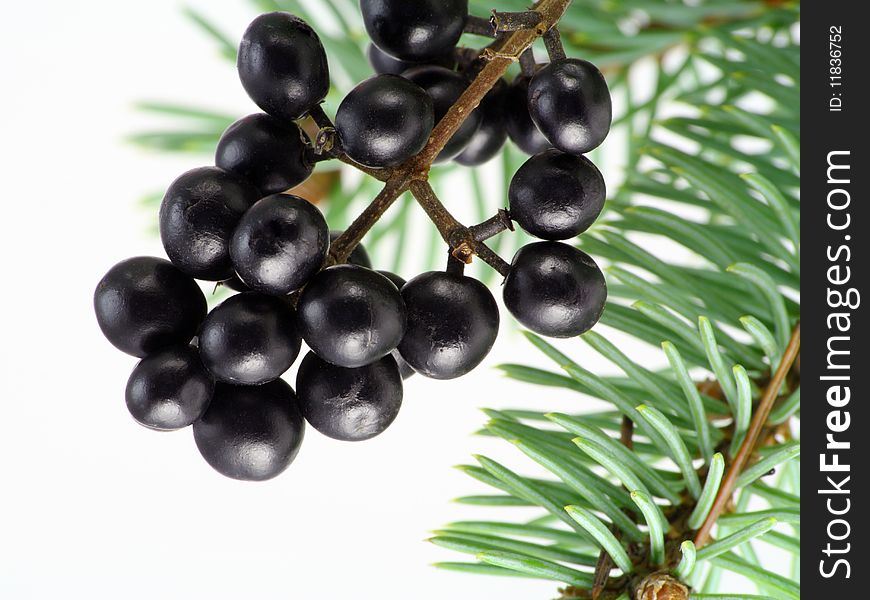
835,227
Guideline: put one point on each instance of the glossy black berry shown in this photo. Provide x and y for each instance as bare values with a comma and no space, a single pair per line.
489,138
350,315
452,324
570,103
249,339
144,304
416,31
359,256
397,281
282,65
198,214
382,62
270,153
250,433
279,244
518,122
349,404
169,389
555,289
384,121
555,196
445,87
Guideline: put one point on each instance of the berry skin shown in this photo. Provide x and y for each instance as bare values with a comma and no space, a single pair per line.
383,63
144,304
268,152
518,122
197,217
452,324
491,135
349,404
555,196
555,289
397,281
570,103
282,65
279,244
250,433
384,120
445,87
359,256
351,316
249,339
418,31
169,389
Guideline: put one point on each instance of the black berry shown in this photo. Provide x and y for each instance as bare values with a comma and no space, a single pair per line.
268,152
144,304
452,324
382,62
197,217
556,196
351,316
518,122
249,339
416,31
279,244
570,103
282,65
359,256
489,138
169,389
250,433
384,121
445,87
349,404
555,289
397,281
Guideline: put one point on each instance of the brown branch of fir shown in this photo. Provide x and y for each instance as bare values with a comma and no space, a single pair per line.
747,448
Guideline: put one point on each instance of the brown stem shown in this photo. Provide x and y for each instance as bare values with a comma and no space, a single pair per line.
759,419
514,21
553,43
492,226
528,64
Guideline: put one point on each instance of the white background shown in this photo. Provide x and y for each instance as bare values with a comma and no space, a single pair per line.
94,506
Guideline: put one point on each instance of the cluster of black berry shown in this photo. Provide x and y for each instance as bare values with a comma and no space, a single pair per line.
235,223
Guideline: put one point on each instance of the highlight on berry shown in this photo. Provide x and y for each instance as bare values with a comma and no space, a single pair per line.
295,280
